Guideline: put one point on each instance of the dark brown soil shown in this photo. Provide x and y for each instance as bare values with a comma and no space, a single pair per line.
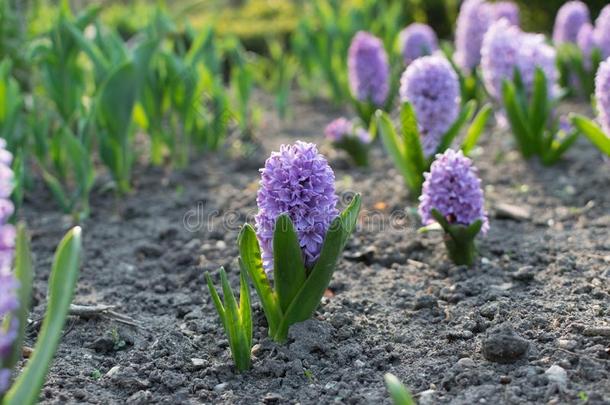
527,324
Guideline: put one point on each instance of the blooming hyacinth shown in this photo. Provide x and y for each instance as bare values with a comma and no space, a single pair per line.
506,9
506,47
586,43
431,85
417,40
602,95
453,188
342,128
369,70
473,21
8,283
602,31
296,181
570,18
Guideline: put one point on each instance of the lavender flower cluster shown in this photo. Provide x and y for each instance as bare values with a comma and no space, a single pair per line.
507,10
431,85
602,95
601,35
417,40
453,188
369,70
473,21
8,284
569,20
296,181
341,128
506,48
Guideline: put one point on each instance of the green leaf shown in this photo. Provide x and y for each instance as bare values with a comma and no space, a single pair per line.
399,393
593,132
23,273
476,129
245,308
288,266
117,99
387,133
308,298
516,118
557,149
62,283
250,261
538,114
234,330
217,302
465,116
412,146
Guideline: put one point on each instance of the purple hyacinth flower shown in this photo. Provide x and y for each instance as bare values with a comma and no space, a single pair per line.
431,85
506,9
296,181
454,189
602,95
8,304
417,40
602,31
369,70
570,18
473,21
506,47
338,129
586,42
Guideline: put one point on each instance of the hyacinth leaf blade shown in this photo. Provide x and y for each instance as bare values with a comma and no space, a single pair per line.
24,274
476,129
593,132
288,267
538,111
459,239
355,149
516,117
557,148
245,309
394,146
412,145
62,283
465,115
308,298
250,261
398,392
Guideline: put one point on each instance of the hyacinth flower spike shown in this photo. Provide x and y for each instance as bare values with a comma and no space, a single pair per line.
236,318
598,133
431,118
452,197
354,140
299,238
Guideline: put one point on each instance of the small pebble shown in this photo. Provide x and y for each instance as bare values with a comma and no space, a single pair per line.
557,374
220,387
466,362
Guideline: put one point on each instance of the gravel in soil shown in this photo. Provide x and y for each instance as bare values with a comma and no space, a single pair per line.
527,324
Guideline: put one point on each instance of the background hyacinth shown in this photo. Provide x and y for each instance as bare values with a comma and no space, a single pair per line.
586,43
602,95
432,86
417,40
506,47
506,9
473,21
570,18
602,31
8,283
340,128
297,181
453,188
369,71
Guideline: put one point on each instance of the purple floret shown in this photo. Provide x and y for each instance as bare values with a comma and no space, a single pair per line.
338,129
454,189
506,9
506,48
431,85
417,40
296,181
8,304
473,21
602,31
570,18
369,70
602,95
586,43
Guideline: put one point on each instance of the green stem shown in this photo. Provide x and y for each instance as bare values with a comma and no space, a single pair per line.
462,251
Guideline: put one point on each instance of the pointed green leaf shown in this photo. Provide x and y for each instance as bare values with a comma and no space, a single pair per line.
399,393
387,133
440,218
288,267
538,114
62,283
216,299
250,261
517,118
593,132
245,307
476,129
465,115
412,145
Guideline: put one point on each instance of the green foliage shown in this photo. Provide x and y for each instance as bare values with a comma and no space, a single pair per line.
576,73
62,283
592,131
297,291
531,119
398,392
405,148
236,318
459,239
